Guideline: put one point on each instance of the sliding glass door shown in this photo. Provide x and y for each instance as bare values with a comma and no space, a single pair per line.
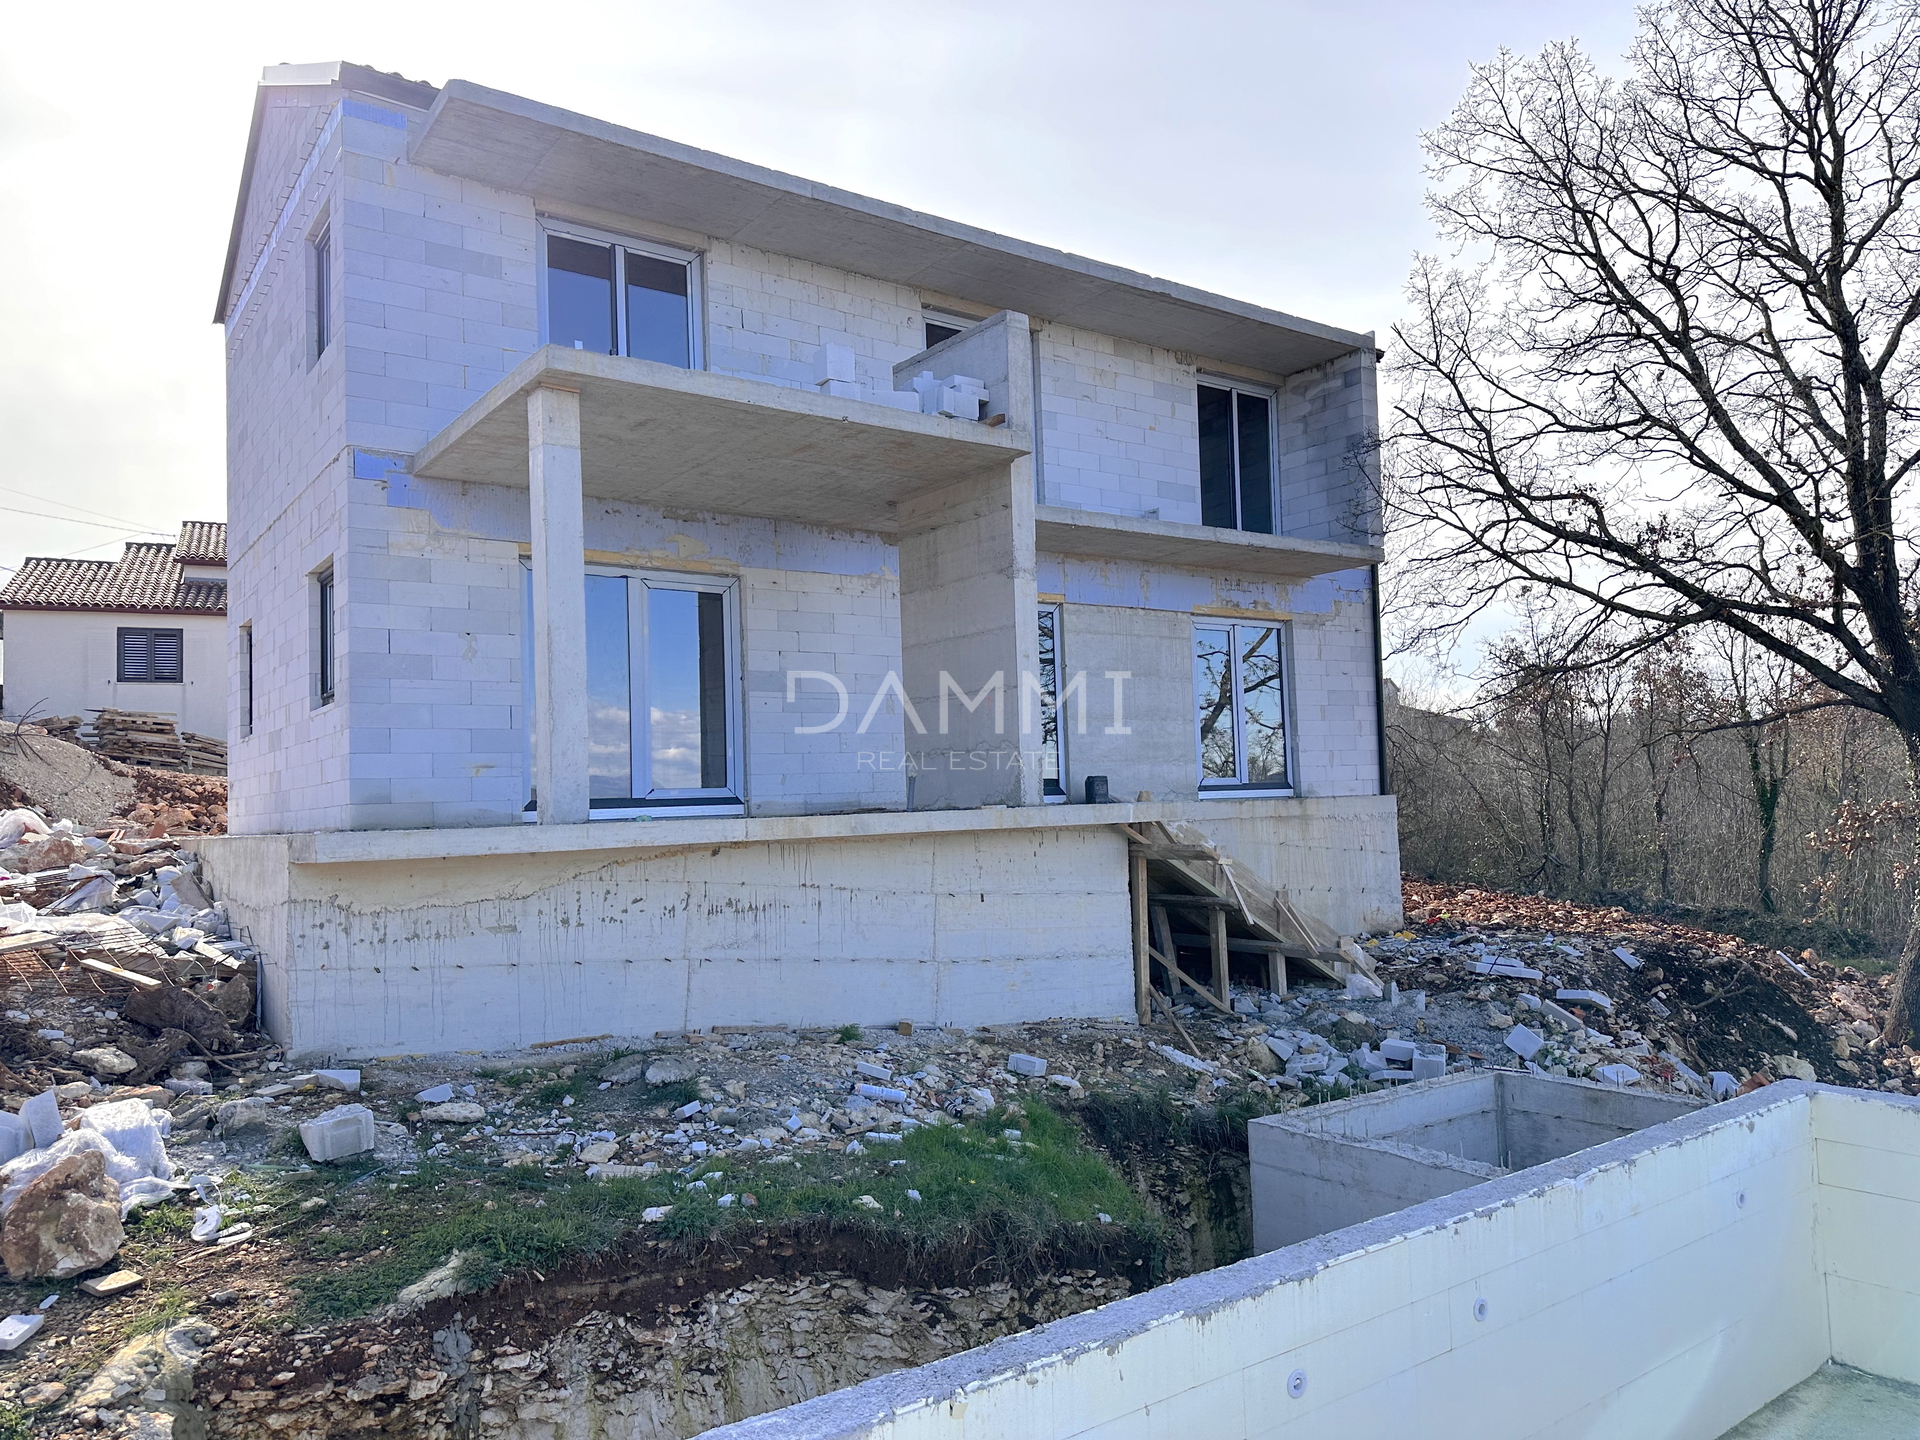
663,708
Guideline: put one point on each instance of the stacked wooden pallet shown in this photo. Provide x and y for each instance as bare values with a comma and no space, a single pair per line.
139,737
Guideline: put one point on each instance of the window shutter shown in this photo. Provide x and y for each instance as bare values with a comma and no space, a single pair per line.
168,657
136,654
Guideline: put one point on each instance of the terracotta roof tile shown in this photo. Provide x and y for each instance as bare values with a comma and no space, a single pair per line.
147,577
201,542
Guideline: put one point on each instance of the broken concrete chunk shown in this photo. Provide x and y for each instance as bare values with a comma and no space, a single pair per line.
655,1213
1430,1063
347,1080
1724,1086
435,1095
1585,997
337,1133
1618,1074
872,1071
687,1111
670,1071
600,1151
41,1115
1030,1065
1524,1042
1401,1051
16,1330
1627,957
1683,1068
459,1112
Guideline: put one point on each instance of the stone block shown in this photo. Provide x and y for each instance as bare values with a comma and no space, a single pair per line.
1585,997
1029,1065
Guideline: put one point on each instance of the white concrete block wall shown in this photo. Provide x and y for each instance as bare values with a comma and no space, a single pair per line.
1119,426
1326,422
768,315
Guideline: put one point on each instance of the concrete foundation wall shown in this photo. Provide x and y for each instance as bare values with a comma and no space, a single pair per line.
1324,1168
490,952
66,662
1667,1284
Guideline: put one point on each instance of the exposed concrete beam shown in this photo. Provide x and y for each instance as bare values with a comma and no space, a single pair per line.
559,718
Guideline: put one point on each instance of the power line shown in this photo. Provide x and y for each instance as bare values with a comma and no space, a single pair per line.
64,505
71,520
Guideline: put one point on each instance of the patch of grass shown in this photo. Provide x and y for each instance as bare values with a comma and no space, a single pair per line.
673,1093
162,1308
15,1423
1128,1123
847,1034
977,1189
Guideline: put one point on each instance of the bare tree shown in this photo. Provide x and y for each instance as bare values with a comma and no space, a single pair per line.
1670,378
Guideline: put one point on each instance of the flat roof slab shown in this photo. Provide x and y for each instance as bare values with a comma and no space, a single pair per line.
562,157
676,439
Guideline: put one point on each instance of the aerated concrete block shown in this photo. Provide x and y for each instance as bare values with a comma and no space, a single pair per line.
15,1137
41,1115
1031,1065
342,1131
1524,1043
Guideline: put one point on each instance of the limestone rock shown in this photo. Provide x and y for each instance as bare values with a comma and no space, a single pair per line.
670,1071
1792,1067
458,1112
1259,1057
66,1221
153,1375
106,1060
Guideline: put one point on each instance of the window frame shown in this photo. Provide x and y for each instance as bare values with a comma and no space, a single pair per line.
694,260
321,248
246,679
120,675
1236,387
658,802
1057,795
1240,787
326,631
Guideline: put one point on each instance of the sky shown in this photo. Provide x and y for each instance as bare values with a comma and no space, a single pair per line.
1266,151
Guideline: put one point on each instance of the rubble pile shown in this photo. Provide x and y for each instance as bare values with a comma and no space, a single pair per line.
1674,998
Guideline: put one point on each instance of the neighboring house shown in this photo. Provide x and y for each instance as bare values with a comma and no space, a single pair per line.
667,592
145,632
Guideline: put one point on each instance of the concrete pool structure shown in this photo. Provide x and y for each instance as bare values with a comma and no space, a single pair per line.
1662,1286
1323,1167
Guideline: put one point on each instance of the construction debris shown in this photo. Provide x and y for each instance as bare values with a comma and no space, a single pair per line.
140,737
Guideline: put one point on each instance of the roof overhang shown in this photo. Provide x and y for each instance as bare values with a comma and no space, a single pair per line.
561,158
690,440
1059,531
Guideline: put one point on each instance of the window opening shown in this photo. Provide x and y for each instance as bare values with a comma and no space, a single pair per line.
1236,459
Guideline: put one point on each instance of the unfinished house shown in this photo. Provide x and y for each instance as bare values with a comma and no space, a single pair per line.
669,593
144,633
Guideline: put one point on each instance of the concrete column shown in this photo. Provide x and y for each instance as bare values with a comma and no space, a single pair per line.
558,713
969,606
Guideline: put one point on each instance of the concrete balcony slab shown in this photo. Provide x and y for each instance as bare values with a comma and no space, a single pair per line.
677,439
1061,531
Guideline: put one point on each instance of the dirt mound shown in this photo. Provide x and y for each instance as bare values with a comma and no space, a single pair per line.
63,781
183,804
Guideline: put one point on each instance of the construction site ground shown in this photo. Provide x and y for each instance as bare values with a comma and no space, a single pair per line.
742,1229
